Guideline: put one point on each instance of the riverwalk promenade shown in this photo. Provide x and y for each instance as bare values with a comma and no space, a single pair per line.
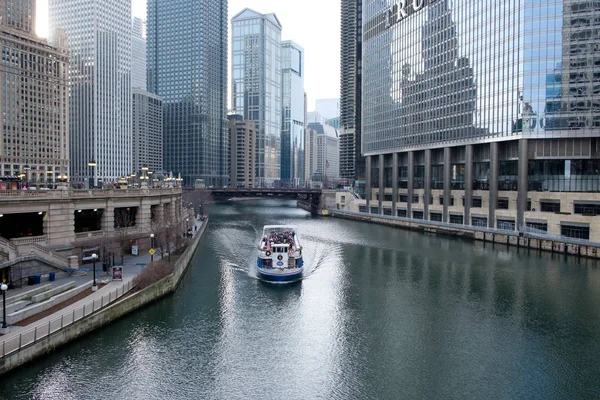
48,322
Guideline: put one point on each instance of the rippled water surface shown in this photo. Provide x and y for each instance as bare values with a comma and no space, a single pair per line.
380,314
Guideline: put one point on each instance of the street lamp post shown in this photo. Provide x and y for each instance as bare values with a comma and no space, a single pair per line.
152,247
94,286
91,164
187,225
4,287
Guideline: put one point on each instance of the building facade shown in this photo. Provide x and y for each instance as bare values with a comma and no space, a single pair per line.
292,129
256,85
352,163
99,43
187,67
480,115
310,153
242,134
34,95
147,131
138,54
327,154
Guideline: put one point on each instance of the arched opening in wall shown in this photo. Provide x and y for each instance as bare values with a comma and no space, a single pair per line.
21,225
125,217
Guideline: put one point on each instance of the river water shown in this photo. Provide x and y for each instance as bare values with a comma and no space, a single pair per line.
381,313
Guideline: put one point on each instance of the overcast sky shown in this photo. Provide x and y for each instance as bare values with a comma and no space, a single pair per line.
313,24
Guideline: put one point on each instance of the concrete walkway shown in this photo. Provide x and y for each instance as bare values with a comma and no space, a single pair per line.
133,265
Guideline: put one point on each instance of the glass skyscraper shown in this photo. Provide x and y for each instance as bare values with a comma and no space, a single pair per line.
292,130
187,67
99,43
483,112
256,85
352,164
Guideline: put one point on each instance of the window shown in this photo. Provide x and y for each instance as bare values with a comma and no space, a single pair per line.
503,203
403,198
374,210
479,221
540,226
586,208
506,224
387,197
575,231
362,209
550,206
402,212
456,219
387,211
528,204
436,216
476,203
418,214
451,201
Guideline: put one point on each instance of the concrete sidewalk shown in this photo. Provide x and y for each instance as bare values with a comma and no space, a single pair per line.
132,265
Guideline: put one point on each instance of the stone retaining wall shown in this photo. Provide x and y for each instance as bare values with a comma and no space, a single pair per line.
105,315
555,246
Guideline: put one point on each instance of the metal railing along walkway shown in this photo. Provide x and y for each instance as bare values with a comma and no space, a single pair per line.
11,343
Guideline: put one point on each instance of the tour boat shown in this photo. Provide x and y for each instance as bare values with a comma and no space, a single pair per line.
279,254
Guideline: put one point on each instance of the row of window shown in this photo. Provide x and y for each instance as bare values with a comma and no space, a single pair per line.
577,231
589,208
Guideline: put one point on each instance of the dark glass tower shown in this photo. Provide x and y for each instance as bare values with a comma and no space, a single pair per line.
187,66
352,164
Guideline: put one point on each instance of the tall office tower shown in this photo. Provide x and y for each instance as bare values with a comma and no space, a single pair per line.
256,85
99,42
327,159
352,163
310,153
138,54
243,151
187,67
292,130
34,95
489,116
147,131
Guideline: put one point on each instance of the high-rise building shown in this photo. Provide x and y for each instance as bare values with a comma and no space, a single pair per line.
352,163
256,85
310,153
292,130
242,134
486,116
327,156
147,131
34,95
99,42
187,67
138,54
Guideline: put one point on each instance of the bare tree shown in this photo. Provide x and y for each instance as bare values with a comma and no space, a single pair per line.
124,221
161,228
199,198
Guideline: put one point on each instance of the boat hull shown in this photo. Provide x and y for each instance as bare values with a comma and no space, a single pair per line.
271,275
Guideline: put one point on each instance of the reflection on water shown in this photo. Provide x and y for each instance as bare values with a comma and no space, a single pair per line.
380,314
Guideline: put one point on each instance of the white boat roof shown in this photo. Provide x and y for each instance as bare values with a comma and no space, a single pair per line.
279,227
